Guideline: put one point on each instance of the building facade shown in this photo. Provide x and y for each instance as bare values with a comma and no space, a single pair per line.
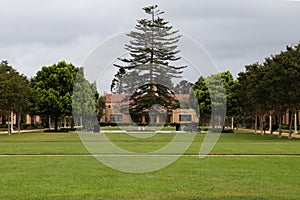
117,110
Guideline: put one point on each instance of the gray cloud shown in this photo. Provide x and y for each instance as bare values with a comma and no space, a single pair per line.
234,32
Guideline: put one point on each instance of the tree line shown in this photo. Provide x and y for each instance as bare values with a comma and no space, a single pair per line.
265,91
48,94
270,89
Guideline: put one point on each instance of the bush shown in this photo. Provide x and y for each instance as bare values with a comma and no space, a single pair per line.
51,131
67,129
204,128
275,127
113,124
284,126
228,131
249,126
26,126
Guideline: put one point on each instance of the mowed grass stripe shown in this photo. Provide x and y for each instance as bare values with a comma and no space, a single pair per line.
188,178
70,144
149,155
241,166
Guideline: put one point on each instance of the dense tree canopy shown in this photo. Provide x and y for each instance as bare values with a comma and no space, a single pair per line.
215,95
183,87
53,86
272,88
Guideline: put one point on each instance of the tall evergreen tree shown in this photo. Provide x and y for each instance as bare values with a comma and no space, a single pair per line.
147,74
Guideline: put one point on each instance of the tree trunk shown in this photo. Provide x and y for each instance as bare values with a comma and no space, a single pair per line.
56,123
49,122
262,129
72,122
279,131
291,125
270,125
8,125
227,123
19,123
255,125
65,122
232,123
12,121
296,124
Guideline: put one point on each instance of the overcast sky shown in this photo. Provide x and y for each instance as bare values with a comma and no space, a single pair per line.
36,33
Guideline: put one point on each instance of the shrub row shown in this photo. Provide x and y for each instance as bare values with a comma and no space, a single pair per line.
142,124
4,127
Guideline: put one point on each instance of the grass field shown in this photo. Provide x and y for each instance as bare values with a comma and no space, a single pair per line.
27,176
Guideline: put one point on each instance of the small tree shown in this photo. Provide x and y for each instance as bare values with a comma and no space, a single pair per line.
200,90
233,109
86,102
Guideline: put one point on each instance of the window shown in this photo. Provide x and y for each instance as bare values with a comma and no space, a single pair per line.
185,118
116,118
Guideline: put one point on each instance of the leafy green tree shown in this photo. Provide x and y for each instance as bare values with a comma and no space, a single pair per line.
253,93
230,85
217,95
183,87
53,86
272,89
150,68
14,92
291,63
100,106
200,90
282,79
274,81
87,104
83,99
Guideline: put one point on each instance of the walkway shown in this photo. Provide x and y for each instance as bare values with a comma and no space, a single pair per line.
22,131
124,131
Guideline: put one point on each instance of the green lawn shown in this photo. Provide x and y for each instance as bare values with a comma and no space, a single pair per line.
83,177
69,143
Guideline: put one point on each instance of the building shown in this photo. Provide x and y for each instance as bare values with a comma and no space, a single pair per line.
25,119
117,111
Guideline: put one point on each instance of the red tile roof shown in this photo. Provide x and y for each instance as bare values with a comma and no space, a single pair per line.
118,98
115,98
